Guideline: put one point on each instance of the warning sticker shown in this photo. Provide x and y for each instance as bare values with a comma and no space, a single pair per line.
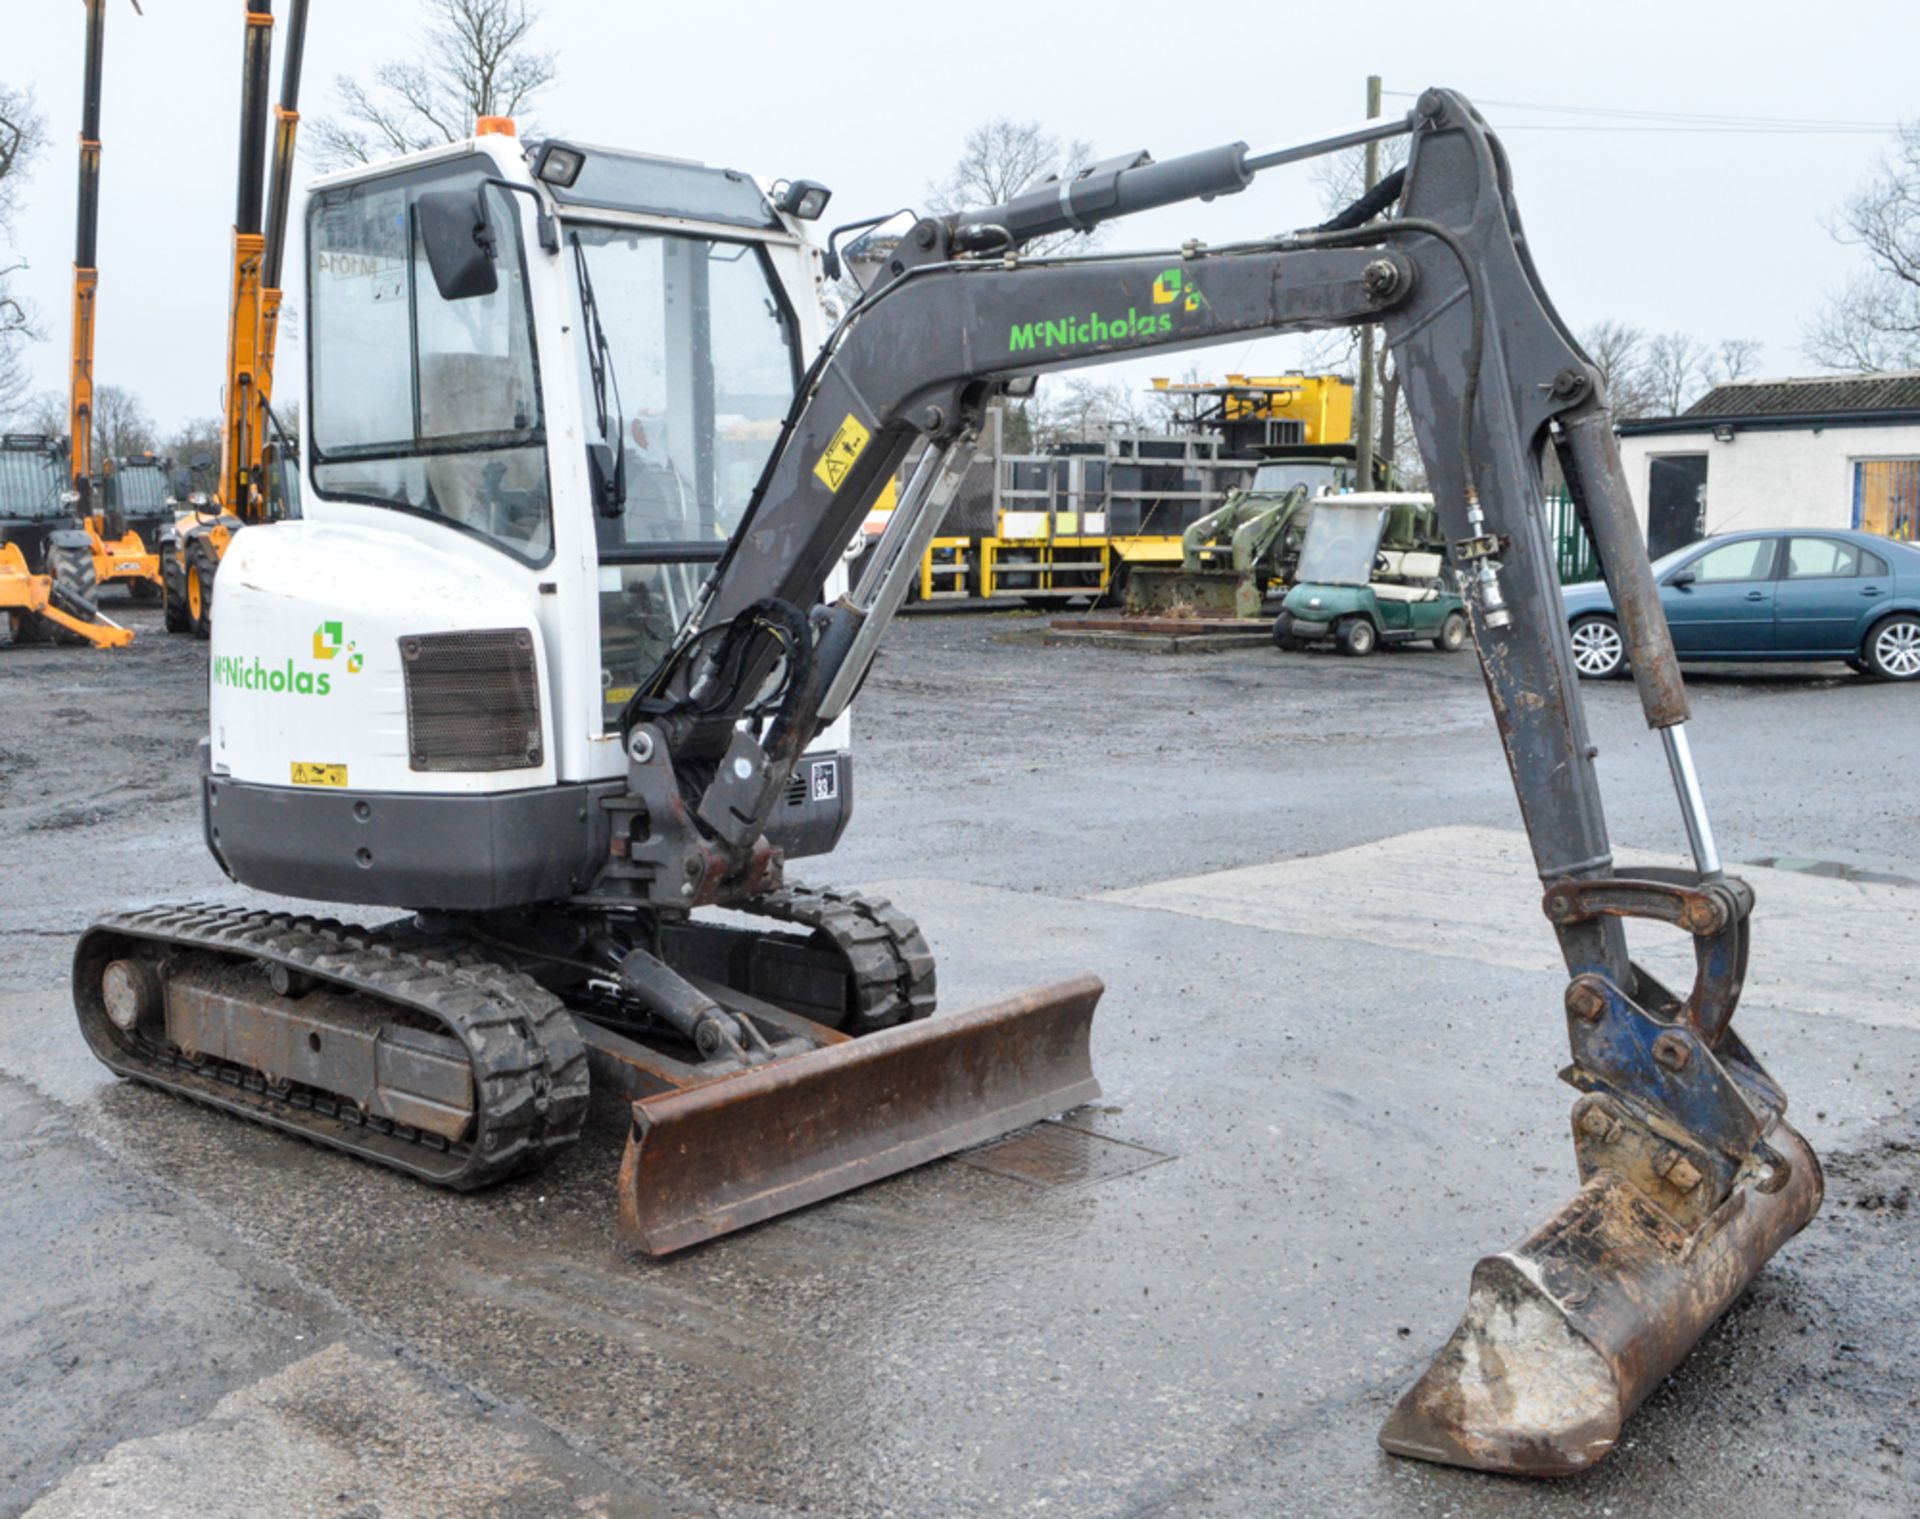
849,442
318,775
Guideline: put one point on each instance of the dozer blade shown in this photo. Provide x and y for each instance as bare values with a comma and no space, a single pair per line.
1566,1333
716,1157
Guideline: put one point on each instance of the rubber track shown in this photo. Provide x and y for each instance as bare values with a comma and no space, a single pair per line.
892,967
530,1068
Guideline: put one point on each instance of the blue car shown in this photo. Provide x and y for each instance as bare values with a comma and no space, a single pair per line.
1784,594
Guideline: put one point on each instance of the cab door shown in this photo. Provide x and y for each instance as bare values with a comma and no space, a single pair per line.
1721,601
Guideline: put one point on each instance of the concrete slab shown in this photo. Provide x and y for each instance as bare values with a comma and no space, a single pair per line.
341,1434
1470,894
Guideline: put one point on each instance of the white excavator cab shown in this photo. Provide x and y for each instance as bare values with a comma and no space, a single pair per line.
528,487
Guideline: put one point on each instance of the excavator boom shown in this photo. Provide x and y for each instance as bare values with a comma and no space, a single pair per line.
1693,1177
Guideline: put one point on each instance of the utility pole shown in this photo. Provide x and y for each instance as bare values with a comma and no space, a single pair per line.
1368,426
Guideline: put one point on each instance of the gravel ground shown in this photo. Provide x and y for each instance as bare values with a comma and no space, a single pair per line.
195,1302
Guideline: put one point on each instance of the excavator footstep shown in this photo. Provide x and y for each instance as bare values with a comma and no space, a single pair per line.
1566,1333
716,1157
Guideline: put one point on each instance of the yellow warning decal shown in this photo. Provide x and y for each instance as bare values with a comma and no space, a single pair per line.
319,775
849,442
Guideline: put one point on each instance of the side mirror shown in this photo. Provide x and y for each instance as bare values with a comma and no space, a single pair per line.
607,472
458,236
1681,579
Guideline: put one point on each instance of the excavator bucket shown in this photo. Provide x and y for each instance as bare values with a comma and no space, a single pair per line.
722,1154
1566,1333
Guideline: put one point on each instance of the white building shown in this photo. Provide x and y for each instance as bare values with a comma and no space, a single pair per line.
1835,451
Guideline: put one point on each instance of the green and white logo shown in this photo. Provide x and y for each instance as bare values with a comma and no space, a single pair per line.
329,639
1175,293
251,673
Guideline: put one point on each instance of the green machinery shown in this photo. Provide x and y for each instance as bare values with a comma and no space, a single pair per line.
1228,557
1372,570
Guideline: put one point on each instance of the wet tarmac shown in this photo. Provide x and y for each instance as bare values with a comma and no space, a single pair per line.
1343,1041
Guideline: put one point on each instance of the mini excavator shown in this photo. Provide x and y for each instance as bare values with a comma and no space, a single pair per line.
547,663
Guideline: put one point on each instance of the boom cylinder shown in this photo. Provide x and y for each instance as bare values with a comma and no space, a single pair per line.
256,70
286,132
1590,458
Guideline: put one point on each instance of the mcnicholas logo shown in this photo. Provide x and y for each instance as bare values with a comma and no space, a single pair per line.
329,642
1173,291
329,639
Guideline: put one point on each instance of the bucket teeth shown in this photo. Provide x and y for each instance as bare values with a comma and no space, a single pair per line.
1567,1333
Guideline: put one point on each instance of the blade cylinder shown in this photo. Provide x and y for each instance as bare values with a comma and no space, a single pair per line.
1568,1332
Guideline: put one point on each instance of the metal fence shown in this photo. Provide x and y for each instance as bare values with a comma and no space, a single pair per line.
1573,555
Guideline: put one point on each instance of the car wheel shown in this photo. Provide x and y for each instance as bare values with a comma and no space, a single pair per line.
1892,649
1283,633
1599,652
1355,636
1453,634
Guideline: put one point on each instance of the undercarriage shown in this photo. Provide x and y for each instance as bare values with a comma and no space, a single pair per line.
457,1047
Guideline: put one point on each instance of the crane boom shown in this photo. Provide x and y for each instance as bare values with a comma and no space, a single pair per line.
86,273
240,442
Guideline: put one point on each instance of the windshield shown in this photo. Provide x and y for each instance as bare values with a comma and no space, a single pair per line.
1341,543
701,363
31,484
140,488
422,404
1317,475
703,359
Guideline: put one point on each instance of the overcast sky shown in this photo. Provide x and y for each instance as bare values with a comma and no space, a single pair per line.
1716,233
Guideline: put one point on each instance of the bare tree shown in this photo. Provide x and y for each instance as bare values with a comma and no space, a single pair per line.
15,381
475,58
202,436
1341,179
121,426
1078,408
1002,157
1734,360
1873,323
23,133
1619,351
1673,371
45,412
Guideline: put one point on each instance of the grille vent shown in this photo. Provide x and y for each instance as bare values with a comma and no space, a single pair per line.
473,700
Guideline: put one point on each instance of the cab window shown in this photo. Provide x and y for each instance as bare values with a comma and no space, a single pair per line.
424,405
1750,559
1822,559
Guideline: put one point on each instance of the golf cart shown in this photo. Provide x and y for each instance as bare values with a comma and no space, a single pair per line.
1372,570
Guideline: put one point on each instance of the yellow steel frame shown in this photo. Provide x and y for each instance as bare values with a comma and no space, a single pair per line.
945,569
